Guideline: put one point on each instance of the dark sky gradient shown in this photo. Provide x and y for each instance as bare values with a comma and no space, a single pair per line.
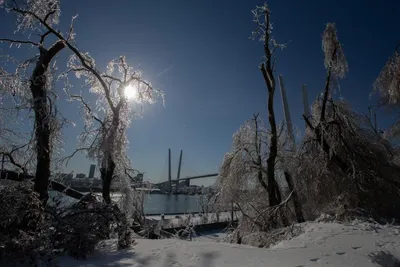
200,54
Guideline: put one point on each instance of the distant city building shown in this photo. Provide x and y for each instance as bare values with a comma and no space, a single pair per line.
91,171
80,175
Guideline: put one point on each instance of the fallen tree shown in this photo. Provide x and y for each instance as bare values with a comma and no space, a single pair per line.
54,185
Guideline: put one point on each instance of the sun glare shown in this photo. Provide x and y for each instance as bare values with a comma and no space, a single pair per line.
131,92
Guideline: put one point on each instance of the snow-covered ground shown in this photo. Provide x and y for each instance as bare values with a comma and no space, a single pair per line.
321,244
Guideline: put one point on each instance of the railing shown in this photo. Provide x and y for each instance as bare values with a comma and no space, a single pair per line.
201,219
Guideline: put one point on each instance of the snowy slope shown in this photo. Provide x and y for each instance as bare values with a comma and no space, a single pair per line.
321,244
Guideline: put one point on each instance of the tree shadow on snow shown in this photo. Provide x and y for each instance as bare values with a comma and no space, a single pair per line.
207,259
111,259
128,257
385,259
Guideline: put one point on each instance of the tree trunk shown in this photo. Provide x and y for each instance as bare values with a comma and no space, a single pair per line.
296,202
273,147
107,172
268,75
327,86
278,193
257,144
42,118
325,146
273,152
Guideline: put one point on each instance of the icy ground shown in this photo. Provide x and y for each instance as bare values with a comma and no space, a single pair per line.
321,244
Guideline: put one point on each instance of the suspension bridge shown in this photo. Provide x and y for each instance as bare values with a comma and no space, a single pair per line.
172,185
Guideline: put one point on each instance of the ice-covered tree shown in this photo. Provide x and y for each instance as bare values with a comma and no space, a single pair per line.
335,63
32,81
106,142
387,83
243,179
262,18
387,86
336,66
252,174
104,137
345,163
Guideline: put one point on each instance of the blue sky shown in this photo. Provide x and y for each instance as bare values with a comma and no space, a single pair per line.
199,53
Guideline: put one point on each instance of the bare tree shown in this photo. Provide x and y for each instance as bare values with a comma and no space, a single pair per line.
262,16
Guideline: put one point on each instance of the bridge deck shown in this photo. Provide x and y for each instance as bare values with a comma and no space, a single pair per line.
190,178
198,177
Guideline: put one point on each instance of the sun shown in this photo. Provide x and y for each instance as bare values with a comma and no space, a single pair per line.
131,92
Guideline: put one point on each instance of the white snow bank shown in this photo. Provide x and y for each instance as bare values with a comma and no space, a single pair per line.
330,244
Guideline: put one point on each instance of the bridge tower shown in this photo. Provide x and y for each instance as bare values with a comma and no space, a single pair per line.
169,171
179,172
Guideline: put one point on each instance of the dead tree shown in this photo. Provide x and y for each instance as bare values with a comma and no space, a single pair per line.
263,31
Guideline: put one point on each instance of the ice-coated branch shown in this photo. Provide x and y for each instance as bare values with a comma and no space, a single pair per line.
87,107
335,62
12,41
9,155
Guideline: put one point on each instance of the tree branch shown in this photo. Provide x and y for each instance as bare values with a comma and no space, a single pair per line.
76,52
112,78
43,37
18,41
12,160
88,108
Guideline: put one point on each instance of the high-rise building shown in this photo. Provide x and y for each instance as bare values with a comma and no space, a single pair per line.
91,171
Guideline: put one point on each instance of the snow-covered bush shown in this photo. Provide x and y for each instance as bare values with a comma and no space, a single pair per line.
349,167
81,226
23,229
243,182
32,234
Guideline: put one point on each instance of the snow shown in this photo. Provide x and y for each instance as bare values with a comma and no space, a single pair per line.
331,244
